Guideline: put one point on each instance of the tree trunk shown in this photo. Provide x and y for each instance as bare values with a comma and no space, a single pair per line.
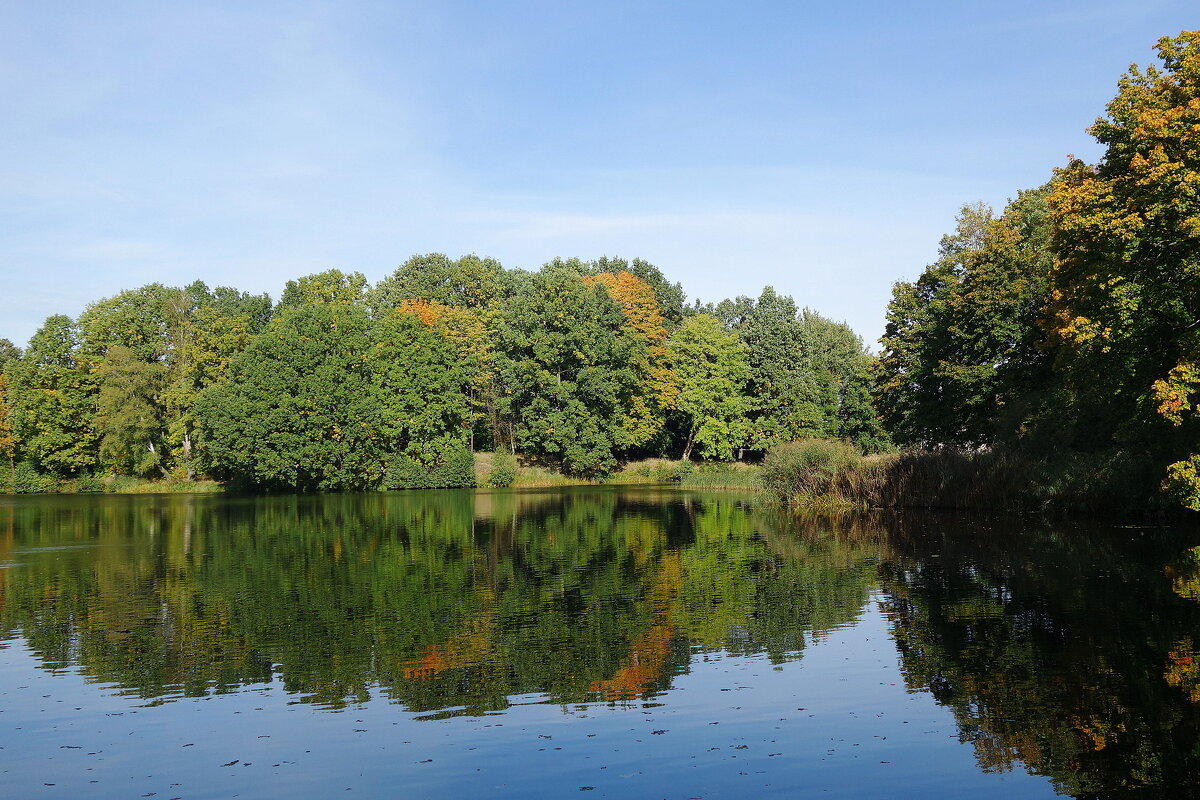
161,468
187,455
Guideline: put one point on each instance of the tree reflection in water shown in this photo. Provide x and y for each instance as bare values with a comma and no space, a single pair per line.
1064,647
447,602
1061,648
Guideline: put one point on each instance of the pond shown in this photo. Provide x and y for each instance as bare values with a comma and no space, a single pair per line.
620,642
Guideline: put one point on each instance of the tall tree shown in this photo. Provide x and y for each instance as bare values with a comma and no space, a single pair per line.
565,360
52,400
330,286
710,362
8,437
1126,304
669,295
783,389
963,361
129,416
659,386
472,332
140,319
418,378
840,368
296,409
208,328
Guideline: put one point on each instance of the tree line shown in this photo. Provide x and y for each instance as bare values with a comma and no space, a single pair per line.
346,385
1061,335
1066,328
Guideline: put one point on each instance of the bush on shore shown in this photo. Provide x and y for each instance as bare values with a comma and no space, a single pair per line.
503,470
827,473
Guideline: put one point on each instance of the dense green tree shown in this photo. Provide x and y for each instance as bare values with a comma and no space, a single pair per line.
418,379
232,303
565,361
140,319
962,360
52,400
710,363
8,352
297,408
783,388
8,437
840,368
211,329
468,282
128,415
173,333
330,286
658,384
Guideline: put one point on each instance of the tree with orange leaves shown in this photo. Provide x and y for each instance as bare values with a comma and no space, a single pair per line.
636,299
1125,306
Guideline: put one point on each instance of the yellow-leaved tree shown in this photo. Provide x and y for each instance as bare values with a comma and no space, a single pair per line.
1125,304
637,301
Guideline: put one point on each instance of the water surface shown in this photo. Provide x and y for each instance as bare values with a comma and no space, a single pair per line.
622,642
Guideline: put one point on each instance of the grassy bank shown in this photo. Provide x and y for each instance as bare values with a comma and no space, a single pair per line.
530,473
28,482
522,473
830,474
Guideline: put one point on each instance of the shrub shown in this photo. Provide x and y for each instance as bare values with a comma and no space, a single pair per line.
452,468
26,479
807,468
682,471
503,471
88,484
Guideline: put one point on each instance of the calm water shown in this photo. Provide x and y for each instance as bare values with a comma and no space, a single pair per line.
628,643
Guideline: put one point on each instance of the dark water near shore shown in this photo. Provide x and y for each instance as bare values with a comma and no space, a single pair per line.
621,642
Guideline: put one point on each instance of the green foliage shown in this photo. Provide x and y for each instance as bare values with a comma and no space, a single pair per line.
299,408
8,352
331,286
89,484
503,470
1065,330
27,479
1127,282
451,468
329,398
128,416
840,371
783,389
710,365
469,282
51,399
1183,482
809,376
416,381
138,319
720,475
669,295
565,361
961,356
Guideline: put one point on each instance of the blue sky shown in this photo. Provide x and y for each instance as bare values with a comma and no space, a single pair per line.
820,148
